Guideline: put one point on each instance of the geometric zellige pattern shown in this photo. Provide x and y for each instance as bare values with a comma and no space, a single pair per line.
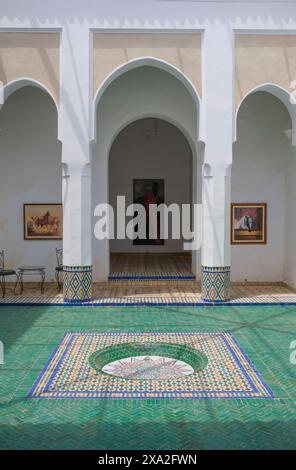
77,283
228,373
215,284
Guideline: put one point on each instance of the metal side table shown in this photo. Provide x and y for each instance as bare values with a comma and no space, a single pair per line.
30,271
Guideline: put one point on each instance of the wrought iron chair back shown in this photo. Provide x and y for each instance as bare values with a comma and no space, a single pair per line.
59,268
2,260
4,273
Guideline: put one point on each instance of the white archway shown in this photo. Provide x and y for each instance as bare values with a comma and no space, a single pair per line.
10,87
141,62
169,119
31,168
264,171
142,88
279,92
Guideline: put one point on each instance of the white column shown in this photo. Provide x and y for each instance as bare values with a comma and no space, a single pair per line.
218,128
75,102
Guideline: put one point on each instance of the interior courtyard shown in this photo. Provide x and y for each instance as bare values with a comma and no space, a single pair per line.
110,341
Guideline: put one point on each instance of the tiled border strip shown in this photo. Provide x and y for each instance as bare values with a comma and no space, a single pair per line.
157,277
140,302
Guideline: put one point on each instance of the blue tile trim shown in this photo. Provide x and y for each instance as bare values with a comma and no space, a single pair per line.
253,367
239,364
46,365
74,301
137,396
87,303
58,364
147,278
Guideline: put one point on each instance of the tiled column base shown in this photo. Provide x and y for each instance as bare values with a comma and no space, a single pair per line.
215,283
77,283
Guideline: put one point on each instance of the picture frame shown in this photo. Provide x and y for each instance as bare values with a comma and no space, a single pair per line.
146,192
249,223
43,221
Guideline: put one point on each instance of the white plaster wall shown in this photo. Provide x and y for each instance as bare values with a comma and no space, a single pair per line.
139,152
290,241
260,174
30,171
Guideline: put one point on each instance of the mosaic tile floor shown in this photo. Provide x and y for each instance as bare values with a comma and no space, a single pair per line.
228,373
150,265
154,292
30,334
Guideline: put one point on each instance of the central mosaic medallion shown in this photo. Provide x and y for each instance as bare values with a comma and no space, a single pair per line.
148,360
149,365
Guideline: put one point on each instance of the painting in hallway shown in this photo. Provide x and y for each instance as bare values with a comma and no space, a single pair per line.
43,221
147,192
248,223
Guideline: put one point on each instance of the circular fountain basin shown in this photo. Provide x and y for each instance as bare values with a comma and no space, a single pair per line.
150,361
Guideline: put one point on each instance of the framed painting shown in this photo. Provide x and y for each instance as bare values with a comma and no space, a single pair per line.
248,223
43,221
146,192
